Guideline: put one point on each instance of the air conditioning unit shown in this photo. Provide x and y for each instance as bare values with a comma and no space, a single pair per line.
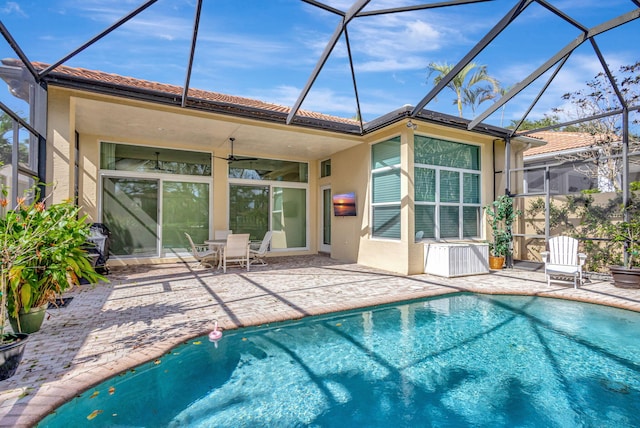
459,259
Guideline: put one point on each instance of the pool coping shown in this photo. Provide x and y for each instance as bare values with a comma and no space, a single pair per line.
145,311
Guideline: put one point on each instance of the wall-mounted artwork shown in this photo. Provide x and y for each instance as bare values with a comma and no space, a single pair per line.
344,204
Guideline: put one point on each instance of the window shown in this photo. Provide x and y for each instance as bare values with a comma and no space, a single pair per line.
385,185
151,196
127,157
269,170
269,194
325,168
446,189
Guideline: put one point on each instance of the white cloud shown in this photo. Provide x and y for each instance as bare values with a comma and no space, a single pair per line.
12,7
318,100
579,69
151,23
392,64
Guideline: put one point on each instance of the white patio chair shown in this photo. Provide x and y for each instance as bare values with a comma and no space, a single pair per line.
259,254
202,253
563,260
236,250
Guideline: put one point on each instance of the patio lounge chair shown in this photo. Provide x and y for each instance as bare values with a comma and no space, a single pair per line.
259,254
236,250
205,256
563,261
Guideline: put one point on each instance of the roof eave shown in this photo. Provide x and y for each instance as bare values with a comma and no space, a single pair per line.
237,110
436,118
167,98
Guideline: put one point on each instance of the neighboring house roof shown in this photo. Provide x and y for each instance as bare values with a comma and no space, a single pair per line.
129,87
559,142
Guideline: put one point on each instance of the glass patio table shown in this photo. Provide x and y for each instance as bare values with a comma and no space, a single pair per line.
217,245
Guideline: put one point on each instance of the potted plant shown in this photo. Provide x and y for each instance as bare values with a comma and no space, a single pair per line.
501,215
627,233
42,254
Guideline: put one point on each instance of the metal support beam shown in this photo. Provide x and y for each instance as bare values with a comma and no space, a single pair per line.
419,7
507,191
547,203
97,37
571,46
605,66
351,13
540,93
562,15
194,39
497,29
625,173
5,108
353,78
15,149
573,122
507,165
16,48
324,7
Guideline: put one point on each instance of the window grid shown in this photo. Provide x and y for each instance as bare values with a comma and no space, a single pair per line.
385,185
464,208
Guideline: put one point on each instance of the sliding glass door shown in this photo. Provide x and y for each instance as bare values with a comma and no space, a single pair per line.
257,209
269,194
185,208
249,210
151,196
130,209
289,218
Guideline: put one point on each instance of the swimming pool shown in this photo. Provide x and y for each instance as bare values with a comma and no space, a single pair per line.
460,360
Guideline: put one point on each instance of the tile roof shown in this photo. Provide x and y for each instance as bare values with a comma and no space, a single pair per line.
119,81
117,85
558,141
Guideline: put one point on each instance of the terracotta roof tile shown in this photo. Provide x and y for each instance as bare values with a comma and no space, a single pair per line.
558,141
124,81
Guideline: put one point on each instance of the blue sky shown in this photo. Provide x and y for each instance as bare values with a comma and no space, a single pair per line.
267,50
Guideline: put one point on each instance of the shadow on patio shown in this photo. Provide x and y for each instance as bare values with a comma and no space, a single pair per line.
146,310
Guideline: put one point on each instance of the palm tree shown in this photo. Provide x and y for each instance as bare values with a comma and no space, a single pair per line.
468,91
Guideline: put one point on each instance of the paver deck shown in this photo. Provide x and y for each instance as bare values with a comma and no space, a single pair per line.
146,310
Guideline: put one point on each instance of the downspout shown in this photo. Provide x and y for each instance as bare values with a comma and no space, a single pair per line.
507,165
493,155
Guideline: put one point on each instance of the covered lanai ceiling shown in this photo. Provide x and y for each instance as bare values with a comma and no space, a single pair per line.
355,59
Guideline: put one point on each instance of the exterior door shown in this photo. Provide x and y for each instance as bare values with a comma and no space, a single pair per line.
130,210
325,219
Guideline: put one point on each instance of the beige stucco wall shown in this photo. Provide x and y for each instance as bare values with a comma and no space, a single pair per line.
61,157
60,146
350,238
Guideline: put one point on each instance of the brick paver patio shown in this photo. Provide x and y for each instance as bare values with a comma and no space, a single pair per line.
146,310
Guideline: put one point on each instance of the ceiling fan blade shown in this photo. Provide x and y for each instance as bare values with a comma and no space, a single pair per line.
232,158
239,159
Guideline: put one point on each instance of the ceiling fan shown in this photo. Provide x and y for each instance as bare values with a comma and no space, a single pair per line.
158,165
232,157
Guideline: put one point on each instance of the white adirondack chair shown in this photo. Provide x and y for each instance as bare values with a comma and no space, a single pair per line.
563,261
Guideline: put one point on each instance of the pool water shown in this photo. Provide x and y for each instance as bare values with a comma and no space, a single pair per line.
461,360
